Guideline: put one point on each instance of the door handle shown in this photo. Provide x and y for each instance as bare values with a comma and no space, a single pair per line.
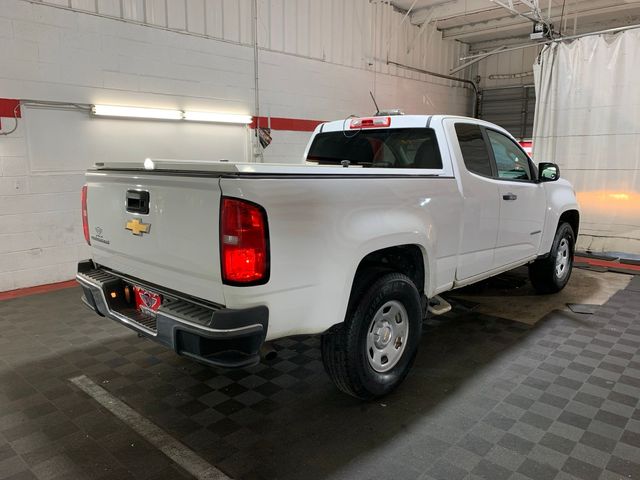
137,201
509,196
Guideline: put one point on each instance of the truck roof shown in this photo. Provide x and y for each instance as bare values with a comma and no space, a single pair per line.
396,121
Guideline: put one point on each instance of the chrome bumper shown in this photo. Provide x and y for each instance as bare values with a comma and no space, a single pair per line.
210,334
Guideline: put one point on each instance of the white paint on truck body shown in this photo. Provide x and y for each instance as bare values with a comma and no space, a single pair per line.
323,220
320,230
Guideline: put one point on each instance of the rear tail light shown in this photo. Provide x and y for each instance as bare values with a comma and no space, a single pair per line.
244,243
371,122
85,216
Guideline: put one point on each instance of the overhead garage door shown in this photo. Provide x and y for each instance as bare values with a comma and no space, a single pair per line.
510,107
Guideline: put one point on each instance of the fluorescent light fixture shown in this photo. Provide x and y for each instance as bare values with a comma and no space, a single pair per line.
217,117
167,114
136,112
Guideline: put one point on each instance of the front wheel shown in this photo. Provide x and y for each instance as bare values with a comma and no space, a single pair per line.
371,353
551,274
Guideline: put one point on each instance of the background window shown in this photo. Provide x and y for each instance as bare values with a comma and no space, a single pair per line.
512,162
474,150
380,148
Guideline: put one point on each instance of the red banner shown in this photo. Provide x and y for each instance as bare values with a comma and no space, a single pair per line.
9,107
290,124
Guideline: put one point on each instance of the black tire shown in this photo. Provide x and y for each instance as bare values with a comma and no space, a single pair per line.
542,272
344,348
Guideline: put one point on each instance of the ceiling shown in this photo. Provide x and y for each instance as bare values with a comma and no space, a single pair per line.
486,25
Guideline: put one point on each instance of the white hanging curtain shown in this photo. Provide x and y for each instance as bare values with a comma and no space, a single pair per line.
588,122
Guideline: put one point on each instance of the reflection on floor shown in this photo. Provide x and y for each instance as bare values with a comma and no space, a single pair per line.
511,296
488,398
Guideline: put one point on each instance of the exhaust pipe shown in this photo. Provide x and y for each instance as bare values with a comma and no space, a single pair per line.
267,352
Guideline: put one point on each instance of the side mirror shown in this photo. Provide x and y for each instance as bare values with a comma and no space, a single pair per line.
548,172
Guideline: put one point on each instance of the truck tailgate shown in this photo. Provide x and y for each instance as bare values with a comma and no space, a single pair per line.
175,245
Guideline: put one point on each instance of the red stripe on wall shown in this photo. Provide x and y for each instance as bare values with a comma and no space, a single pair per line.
9,107
290,124
24,292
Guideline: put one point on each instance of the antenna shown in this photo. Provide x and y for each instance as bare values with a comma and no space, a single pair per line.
374,101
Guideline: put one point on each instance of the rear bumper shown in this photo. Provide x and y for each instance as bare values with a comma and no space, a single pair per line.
210,334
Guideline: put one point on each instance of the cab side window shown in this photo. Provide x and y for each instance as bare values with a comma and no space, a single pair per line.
474,149
511,162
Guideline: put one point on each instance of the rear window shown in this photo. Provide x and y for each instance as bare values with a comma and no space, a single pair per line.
381,148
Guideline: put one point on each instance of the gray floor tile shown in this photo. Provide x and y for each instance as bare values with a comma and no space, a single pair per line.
558,400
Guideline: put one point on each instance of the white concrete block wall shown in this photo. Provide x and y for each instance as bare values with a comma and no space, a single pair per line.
306,71
40,228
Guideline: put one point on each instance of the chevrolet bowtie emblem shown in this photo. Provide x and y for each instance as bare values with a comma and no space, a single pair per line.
137,227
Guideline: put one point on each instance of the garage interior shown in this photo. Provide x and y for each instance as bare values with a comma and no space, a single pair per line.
508,384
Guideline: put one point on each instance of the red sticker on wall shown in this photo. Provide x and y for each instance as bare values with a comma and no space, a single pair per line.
10,107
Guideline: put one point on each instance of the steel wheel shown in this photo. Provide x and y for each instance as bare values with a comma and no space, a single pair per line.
371,353
551,273
562,258
387,336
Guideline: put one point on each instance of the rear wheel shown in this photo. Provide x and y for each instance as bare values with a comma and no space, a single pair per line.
551,274
371,353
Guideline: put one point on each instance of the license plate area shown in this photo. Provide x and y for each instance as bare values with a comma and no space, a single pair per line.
121,300
146,301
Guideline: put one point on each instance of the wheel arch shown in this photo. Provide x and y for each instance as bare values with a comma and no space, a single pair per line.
410,259
572,217
562,205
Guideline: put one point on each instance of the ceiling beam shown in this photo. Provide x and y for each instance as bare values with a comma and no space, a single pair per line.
533,15
486,46
453,8
509,24
556,40
583,27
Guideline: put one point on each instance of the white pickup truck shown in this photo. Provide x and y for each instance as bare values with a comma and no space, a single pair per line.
213,259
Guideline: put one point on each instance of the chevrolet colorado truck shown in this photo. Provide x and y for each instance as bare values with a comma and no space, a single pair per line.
215,258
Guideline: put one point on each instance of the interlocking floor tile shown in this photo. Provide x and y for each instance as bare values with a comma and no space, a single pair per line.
487,398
